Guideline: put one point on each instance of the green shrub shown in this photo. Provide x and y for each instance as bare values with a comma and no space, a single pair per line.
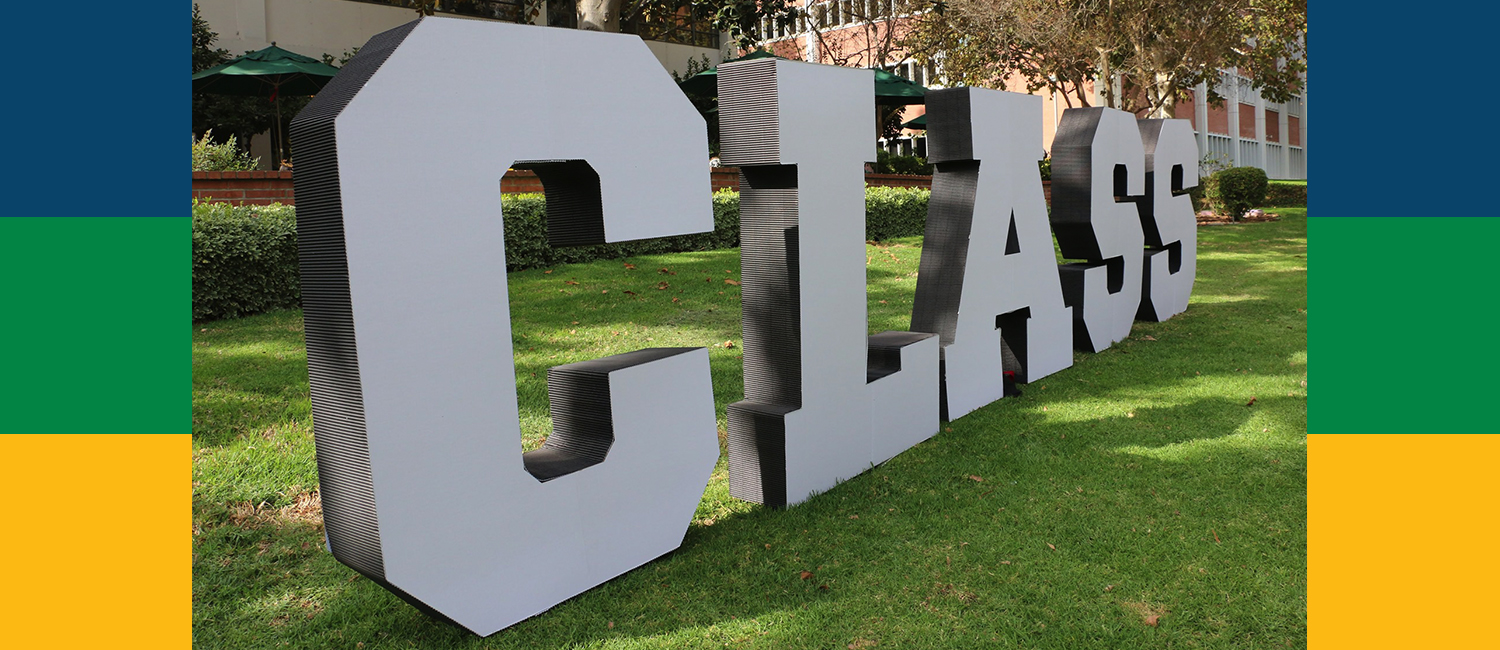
244,259
1045,166
892,212
885,163
1235,190
209,156
526,244
1286,194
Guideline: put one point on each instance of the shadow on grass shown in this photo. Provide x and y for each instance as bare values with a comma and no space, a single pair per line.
989,519
1140,480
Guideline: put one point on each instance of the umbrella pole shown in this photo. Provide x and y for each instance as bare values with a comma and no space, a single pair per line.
276,133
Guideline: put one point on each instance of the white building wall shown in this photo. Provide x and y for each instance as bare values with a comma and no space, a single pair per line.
333,27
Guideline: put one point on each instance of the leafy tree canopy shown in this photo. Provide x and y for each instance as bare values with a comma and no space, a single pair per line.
1160,49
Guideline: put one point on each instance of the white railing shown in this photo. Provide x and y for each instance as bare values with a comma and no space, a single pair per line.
1249,153
1221,148
1274,168
1298,164
1247,94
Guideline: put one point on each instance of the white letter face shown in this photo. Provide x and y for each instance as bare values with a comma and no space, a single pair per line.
425,489
1098,171
822,402
1167,219
988,282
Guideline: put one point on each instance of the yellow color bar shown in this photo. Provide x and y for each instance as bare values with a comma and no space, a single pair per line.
1403,541
94,540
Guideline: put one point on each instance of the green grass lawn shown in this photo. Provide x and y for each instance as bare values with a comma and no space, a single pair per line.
1136,500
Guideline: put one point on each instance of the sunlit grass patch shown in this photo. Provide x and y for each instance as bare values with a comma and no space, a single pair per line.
1162,477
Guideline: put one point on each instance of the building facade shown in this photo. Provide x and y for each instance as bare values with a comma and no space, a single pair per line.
335,27
1246,131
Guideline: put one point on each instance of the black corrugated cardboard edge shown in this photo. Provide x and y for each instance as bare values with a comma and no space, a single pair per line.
343,456
582,412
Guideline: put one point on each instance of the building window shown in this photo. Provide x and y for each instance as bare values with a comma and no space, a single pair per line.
1218,119
1273,126
1247,121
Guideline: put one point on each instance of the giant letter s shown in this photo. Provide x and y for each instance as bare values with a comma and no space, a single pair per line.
1098,171
1167,218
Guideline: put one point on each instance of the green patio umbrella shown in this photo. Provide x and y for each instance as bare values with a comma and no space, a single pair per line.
895,90
707,82
918,123
890,89
269,73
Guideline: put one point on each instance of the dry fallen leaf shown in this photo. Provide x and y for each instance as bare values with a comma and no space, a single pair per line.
662,285
1049,545
1149,337
733,282
975,478
604,291
676,300
1251,402
1151,620
570,282
806,574
611,625
546,271
631,292
629,266
665,270
575,322
729,344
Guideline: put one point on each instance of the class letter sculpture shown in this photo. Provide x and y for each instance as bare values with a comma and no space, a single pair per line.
988,278
822,402
1098,172
425,488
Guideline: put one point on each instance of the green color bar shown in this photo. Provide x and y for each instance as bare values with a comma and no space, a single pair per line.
90,311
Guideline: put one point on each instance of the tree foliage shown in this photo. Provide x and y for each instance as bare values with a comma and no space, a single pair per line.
1157,49
740,18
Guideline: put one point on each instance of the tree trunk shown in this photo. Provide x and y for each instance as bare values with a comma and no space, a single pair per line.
599,15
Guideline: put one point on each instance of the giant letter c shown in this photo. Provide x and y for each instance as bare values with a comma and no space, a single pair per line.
425,489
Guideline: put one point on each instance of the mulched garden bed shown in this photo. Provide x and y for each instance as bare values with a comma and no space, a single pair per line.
1208,218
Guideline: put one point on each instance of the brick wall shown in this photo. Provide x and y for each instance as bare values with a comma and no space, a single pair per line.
262,188
240,188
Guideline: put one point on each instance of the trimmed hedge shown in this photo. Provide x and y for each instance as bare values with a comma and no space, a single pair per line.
892,212
526,244
1286,194
1235,190
245,257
